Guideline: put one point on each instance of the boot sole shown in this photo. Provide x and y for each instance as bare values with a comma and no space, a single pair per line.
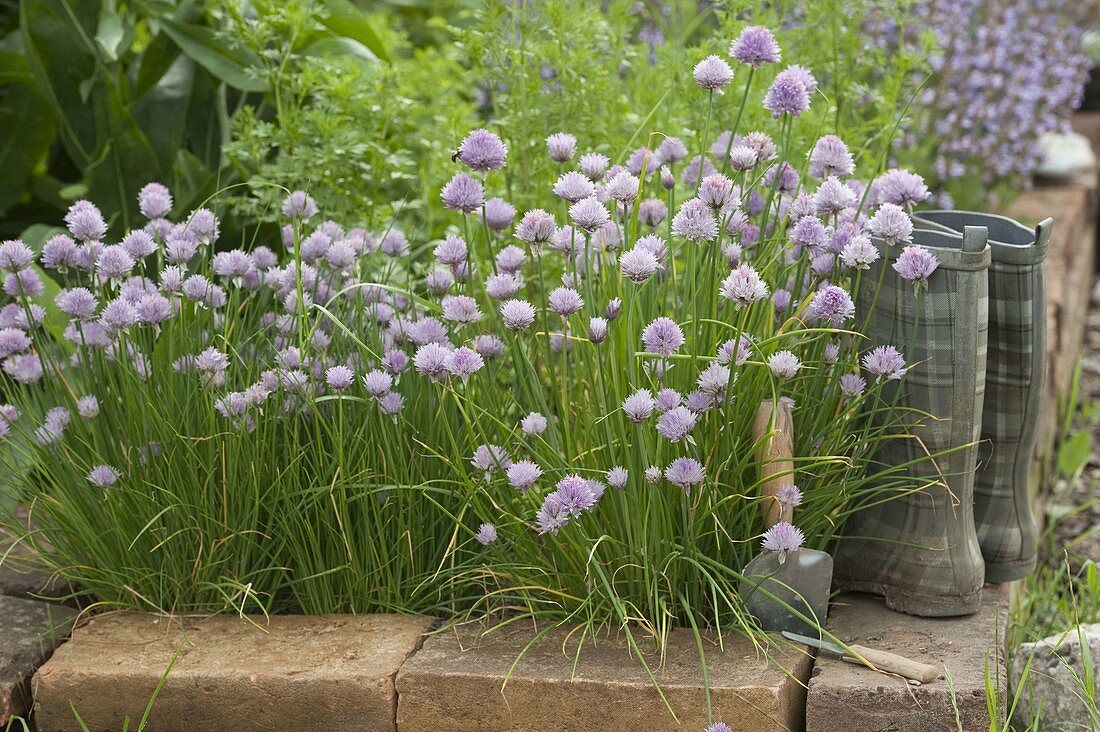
920,603
1009,571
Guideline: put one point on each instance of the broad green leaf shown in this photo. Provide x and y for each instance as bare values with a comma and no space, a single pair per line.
154,63
339,46
162,112
345,19
26,132
1074,453
226,63
14,68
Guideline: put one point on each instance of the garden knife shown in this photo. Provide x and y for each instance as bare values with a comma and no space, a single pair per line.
876,660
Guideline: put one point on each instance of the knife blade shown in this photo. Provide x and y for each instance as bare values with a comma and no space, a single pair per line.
873,658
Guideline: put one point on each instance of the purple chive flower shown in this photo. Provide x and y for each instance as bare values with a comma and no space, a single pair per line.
464,362
510,259
154,201
899,187
25,368
718,727
431,361
561,146
47,434
203,225
211,361
114,263
809,233
652,211
743,157
713,379
617,477
891,224
653,475
460,309
833,305
13,340
885,361
26,283
451,251
639,405
139,244
499,214
490,458
181,251
536,227
597,329
830,157
573,187
743,286
663,337
394,243
85,222
15,256
717,192
552,516
594,166
87,407
483,151
395,361
517,314
784,364
60,253
832,353
378,383
783,537
565,301
833,197
523,475
684,472
117,316
695,221
804,75
638,265
859,253
668,180
339,377
463,193
787,95
781,299
533,424
576,494
503,285
489,346
916,264
391,404
676,424
671,150
737,352
638,159
789,495
153,309
613,308
852,385
623,187
486,534
589,214
697,169
712,74
103,476
668,399
299,205
755,46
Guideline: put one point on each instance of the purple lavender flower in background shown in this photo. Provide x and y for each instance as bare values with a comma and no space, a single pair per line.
639,405
298,205
852,385
154,201
561,146
833,305
652,211
784,365
523,475
486,534
499,214
463,193
755,46
885,361
743,286
13,340
916,264
891,224
695,221
787,95
533,424
676,424
684,472
712,74
574,186
483,151
783,537
594,166
103,476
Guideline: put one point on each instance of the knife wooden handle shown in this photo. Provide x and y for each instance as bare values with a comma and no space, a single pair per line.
894,664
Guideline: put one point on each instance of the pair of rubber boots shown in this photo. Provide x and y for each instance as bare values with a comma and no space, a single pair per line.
952,509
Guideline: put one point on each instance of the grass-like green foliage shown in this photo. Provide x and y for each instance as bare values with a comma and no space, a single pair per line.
246,481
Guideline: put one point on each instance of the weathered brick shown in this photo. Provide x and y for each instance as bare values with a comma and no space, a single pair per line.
29,633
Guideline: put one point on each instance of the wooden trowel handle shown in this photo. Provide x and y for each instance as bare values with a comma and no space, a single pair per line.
892,663
775,454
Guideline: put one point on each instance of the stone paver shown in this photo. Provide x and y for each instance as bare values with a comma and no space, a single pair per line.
20,574
29,633
456,683
1056,676
867,701
330,672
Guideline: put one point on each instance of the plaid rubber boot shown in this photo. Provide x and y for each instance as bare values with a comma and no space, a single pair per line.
1014,380
914,541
